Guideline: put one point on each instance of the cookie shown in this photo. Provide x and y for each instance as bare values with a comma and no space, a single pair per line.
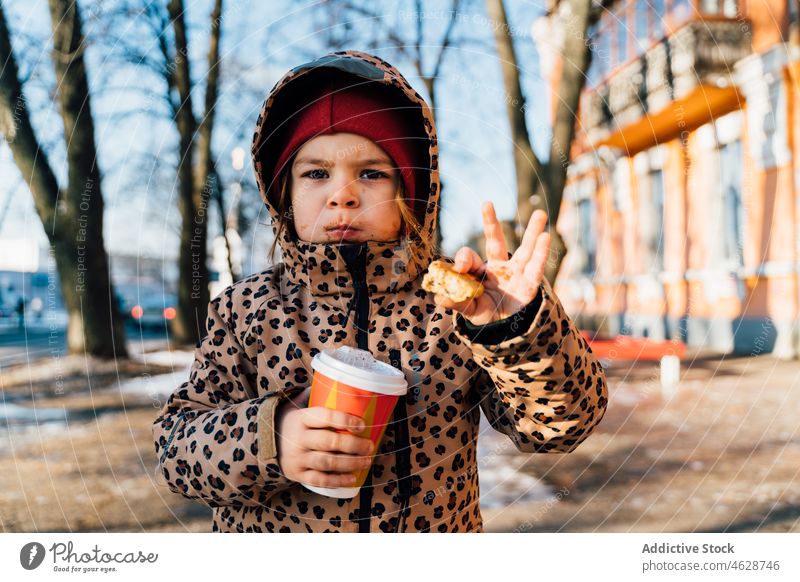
443,280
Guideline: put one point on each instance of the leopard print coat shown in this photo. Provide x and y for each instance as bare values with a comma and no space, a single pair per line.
539,383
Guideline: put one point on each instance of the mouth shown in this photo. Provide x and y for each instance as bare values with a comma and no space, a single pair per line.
343,231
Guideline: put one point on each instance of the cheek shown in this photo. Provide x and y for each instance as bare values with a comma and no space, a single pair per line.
310,219
303,217
304,228
388,220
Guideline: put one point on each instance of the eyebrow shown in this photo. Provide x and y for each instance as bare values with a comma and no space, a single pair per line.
329,163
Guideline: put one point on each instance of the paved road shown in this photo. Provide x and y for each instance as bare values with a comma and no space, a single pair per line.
24,345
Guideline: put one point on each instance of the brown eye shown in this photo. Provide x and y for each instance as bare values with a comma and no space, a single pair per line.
315,174
374,174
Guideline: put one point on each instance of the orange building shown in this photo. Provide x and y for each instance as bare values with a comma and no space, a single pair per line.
682,207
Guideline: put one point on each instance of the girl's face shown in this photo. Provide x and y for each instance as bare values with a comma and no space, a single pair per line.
344,190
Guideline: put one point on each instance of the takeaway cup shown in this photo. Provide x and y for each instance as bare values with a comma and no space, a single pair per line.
353,381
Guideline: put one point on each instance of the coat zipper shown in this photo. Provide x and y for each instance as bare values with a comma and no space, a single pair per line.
355,260
402,449
355,257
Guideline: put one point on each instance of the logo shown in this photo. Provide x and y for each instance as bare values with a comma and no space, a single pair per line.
31,555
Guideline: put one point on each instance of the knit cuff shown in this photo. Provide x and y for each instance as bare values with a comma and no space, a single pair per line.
267,437
504,329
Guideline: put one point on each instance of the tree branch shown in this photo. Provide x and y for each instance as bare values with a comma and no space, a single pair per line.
206,127
15,124
447,38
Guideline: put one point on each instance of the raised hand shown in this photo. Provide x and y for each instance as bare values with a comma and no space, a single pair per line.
509,284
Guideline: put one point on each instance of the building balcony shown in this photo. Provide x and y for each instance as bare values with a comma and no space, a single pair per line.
675,86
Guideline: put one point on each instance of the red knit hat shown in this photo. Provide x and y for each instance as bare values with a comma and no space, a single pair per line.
355,108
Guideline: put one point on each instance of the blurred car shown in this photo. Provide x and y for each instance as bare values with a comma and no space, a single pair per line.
155,310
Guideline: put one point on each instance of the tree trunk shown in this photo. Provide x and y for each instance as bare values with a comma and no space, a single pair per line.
430,84
73,217
213,178
575,62
204,167
542,185
205,170
529,171
193,295
196,180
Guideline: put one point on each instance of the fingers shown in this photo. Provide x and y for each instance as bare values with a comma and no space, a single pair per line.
468,261
320,479
328,440
333,457
336,463
496,248
321,417
534,270
536,226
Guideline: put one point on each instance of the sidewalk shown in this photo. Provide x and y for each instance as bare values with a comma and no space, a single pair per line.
723,454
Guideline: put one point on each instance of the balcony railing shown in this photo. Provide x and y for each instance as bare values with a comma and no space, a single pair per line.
701,53
629,27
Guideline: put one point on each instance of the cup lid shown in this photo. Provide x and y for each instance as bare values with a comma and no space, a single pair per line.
360,369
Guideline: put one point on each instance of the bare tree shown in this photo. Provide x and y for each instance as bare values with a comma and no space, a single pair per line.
192,267
542,185
195,177
161,49
72,216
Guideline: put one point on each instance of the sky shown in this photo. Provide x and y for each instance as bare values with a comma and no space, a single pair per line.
261,41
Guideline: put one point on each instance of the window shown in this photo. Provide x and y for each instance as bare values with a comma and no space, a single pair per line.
730,8
604,53
621,190
586,235
657,200
622,35
725,7
649,210
710,6
730,156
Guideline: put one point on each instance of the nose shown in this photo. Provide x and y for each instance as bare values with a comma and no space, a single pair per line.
345,194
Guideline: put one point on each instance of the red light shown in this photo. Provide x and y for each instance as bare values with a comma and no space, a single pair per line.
170,313
137,312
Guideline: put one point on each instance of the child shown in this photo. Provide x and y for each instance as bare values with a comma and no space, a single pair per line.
346,158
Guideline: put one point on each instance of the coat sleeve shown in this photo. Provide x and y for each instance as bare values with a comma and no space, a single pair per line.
540,383
214,437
